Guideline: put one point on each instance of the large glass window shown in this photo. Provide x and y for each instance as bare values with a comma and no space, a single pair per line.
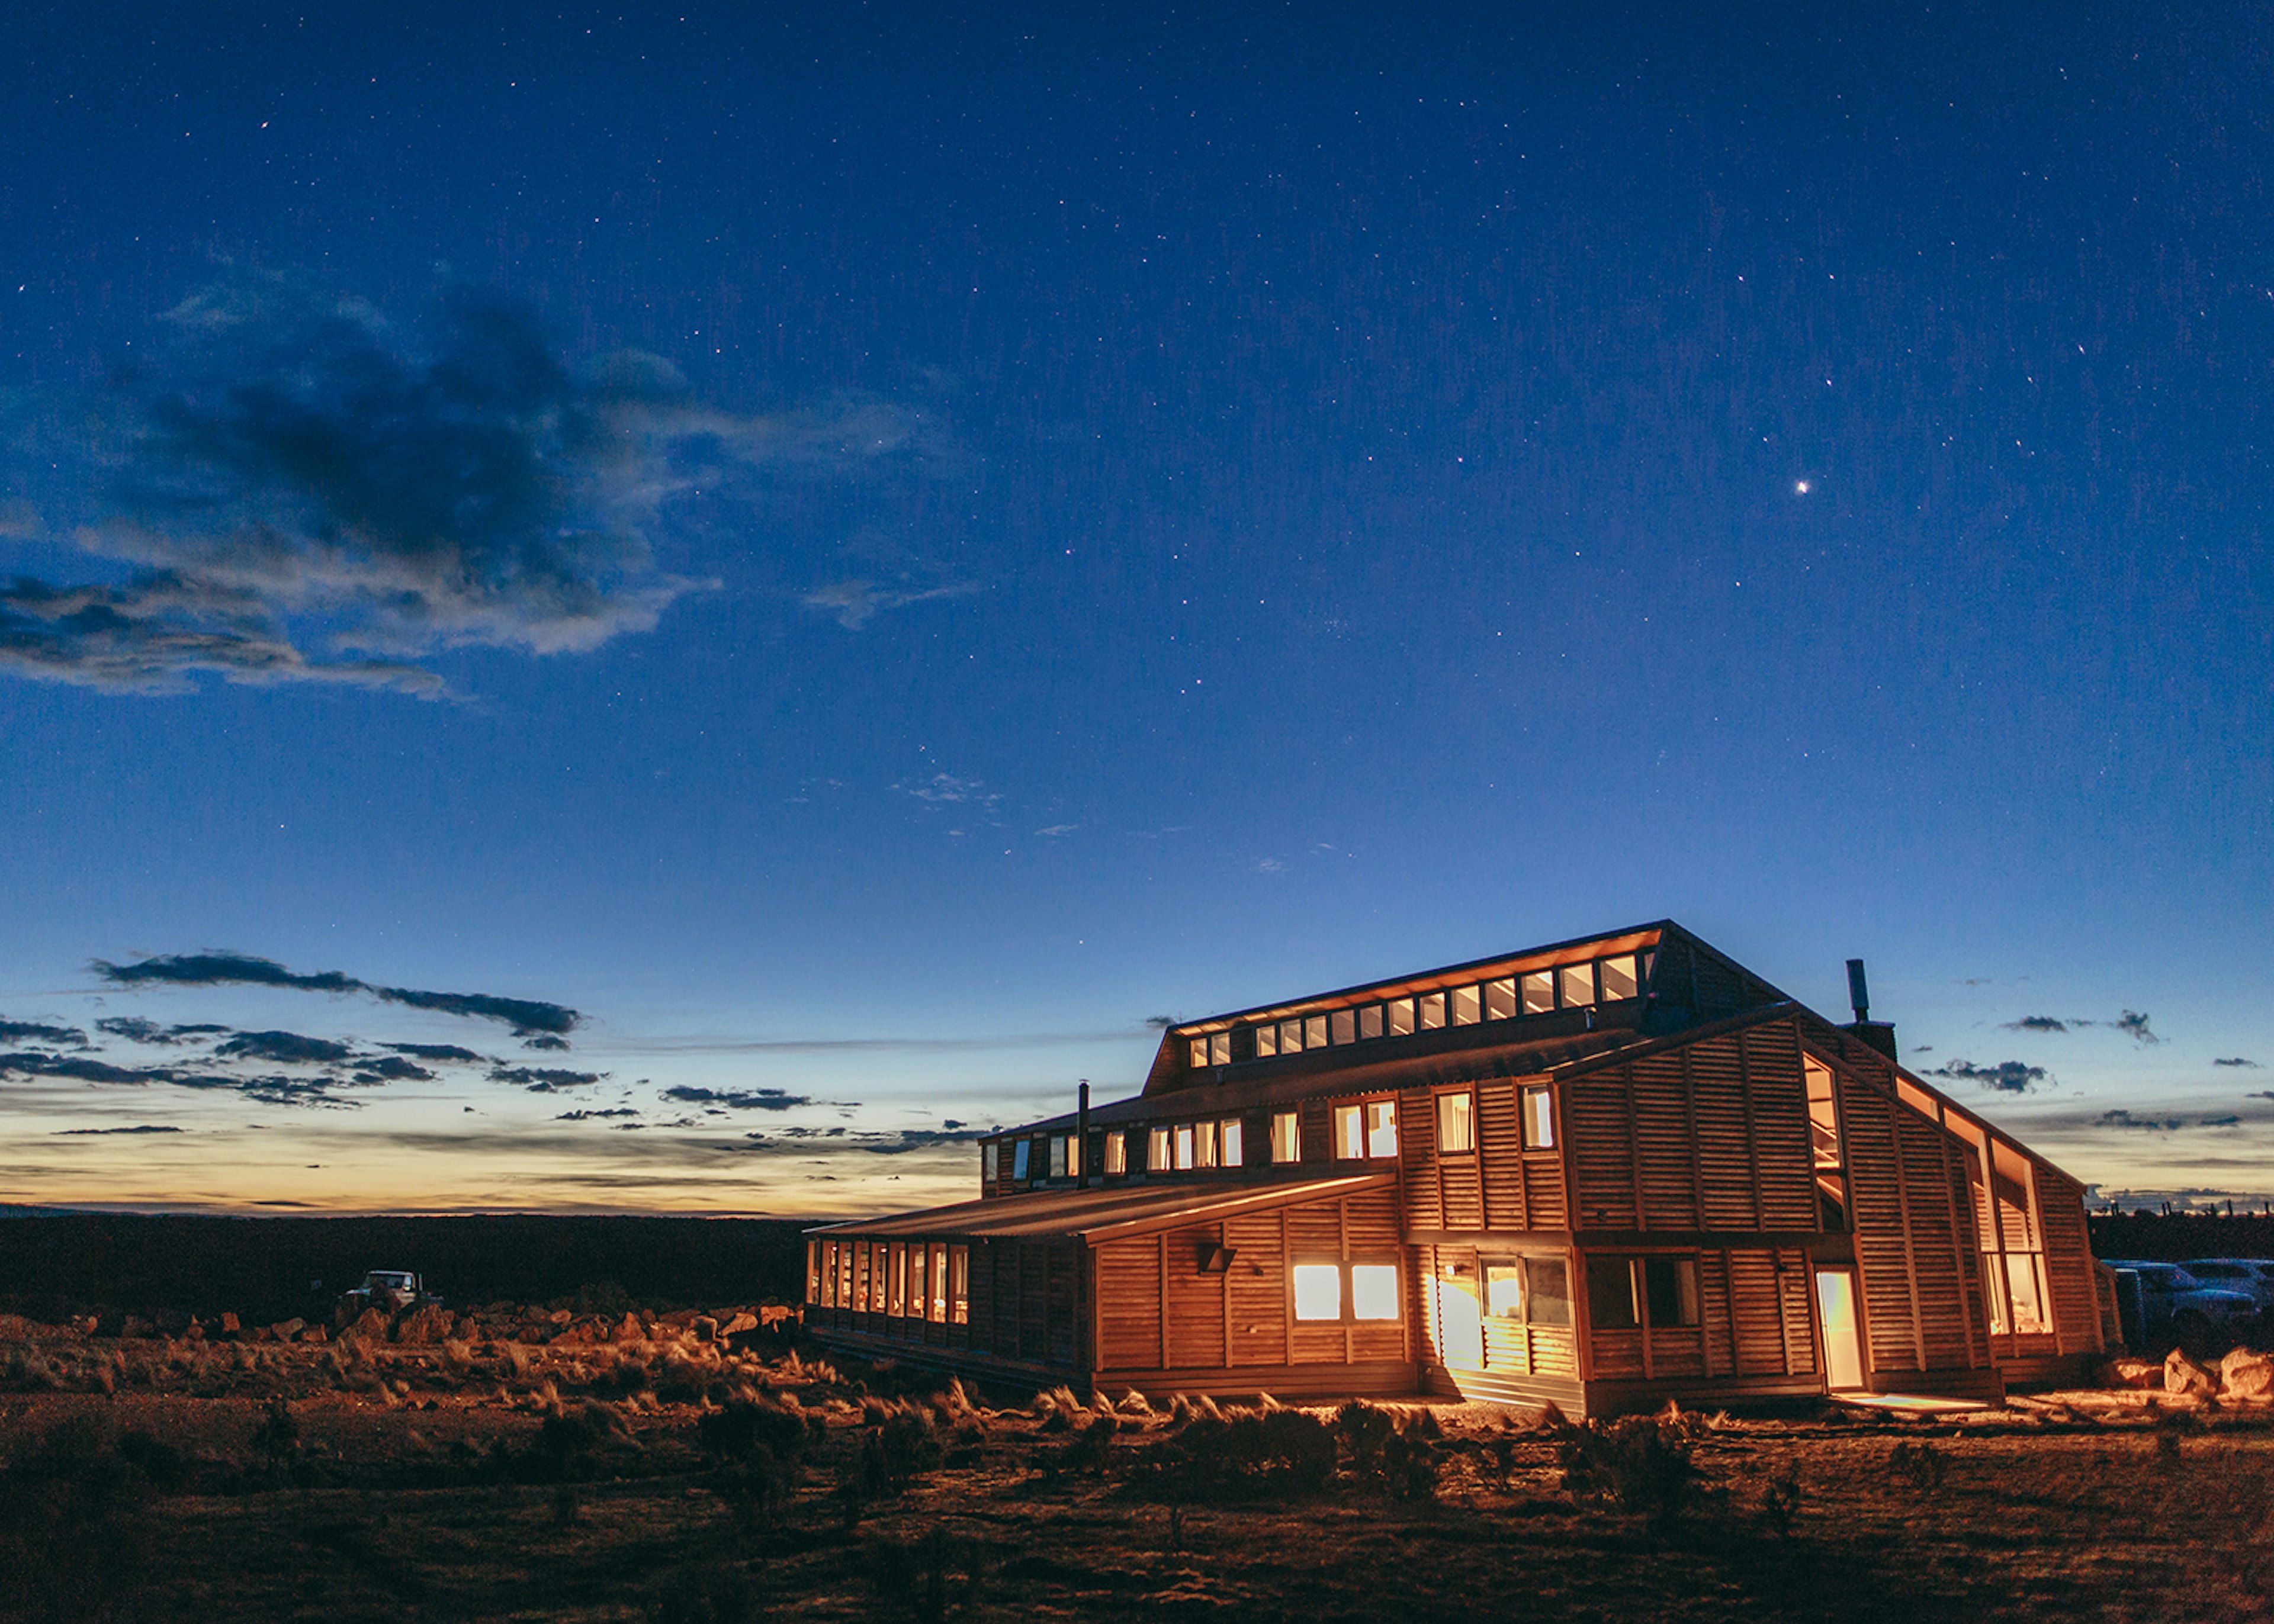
1537,1106
1374,1292
1220,1049
959,1285
862,1253
1183,1147
919,1278
1058,1155
1267,1042
1619,978
1400,1012
1381,1128
1286,1136
897,1305
1539,992
1611,1305
1467,1008
1575,985
1318,1291
1669,1290
988,1160
1369,1021
1156,1150
1456,1123
1234,1151
1315,1032
1342,1026
1204,1143
1117,1154
813,1271
1534,1290
1200,1053
1499,999
1656,1289
939,1283
1021,1152
1349,1134
1432,1007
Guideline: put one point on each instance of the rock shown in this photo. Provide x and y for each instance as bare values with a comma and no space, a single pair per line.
2183,1375
2132,1373
631,1330
743,1321
705,1328
371,1326
2245,1374
285,1330
559,1316
424,1325
315,1334
229,1327
134,1328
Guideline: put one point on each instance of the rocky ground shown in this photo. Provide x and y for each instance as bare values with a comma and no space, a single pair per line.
523,1464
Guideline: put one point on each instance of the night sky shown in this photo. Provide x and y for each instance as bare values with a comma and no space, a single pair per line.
657,610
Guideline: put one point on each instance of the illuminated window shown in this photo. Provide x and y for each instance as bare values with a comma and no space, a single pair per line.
1539,1111
1267,1042
989,1157
1539,992
1204,1143
1342,1026
1467,1011
1286,1136
1021,1150
1369,1021
1823,1113
1117,1155
1057,1144
860,1259
919,1278
1156,1151
1220,1049
897,1305
1456,1123
1183,1147
1374,1292
959,1285
1575,985
813,1271
825,1285
1432,1006
845,1275
939,1283
1349,1134
1530,1291
1315,1032
1073,1156
1499,999
1234,1154
1381,1128
1619,978
1291,1037
1318,1291
1401,1016
1200,1052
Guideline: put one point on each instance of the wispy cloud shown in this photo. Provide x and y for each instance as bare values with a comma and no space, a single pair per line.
2120,1118
853,602
526,1016
271,1090
739,1099
2134,1025
134,1029
295,489
945,789
140,1127
2238,1060
540,1079
2007,1077
42,1032
2038,1023
284,1048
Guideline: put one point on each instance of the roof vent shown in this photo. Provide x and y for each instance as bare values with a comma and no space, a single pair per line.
1881,1035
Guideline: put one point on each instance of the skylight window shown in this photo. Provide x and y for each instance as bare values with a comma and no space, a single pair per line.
1539,992
1575,985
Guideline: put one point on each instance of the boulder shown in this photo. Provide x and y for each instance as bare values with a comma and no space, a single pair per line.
424,1326
315,1334
230,1325
2132,1373
371,1326
285,1330
631,1330
743,1321
705,1329
2182,1375
2245,1374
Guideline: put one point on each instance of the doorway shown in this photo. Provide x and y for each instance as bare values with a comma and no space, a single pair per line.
1843,1342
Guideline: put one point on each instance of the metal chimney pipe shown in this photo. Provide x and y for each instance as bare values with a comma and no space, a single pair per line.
1859,995
1081,1138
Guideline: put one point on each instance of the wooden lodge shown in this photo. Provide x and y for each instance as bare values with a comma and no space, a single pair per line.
1605,1173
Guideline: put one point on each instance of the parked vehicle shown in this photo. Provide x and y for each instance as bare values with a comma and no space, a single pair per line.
2254,1275
387,1290
2174,1306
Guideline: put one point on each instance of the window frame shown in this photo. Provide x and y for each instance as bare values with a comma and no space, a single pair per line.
1340,1269
1527,1287
1116,1153
1294,1139
1537,1133
1467,1098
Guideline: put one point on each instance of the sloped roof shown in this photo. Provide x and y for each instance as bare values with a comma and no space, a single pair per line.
1096,1215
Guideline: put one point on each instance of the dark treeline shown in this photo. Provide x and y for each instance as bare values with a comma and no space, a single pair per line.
2176,1236
269,1268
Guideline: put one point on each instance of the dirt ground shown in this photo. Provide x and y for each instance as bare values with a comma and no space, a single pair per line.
649,1478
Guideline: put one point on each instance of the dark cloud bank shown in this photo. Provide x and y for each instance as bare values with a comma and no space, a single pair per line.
2007,1077
527,1017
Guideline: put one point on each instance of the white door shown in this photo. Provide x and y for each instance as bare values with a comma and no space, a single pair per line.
1843,1344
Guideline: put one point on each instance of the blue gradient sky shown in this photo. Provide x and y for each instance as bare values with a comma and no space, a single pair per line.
1157,511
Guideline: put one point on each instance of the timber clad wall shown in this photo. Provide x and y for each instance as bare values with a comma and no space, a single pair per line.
1713,1136
2069,1262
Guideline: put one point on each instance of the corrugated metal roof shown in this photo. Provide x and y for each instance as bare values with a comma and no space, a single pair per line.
1102,1215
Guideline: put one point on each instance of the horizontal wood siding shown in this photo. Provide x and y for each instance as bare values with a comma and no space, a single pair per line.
1713,1136
1129,1304
1258,1288
1196,1301
2071,1276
